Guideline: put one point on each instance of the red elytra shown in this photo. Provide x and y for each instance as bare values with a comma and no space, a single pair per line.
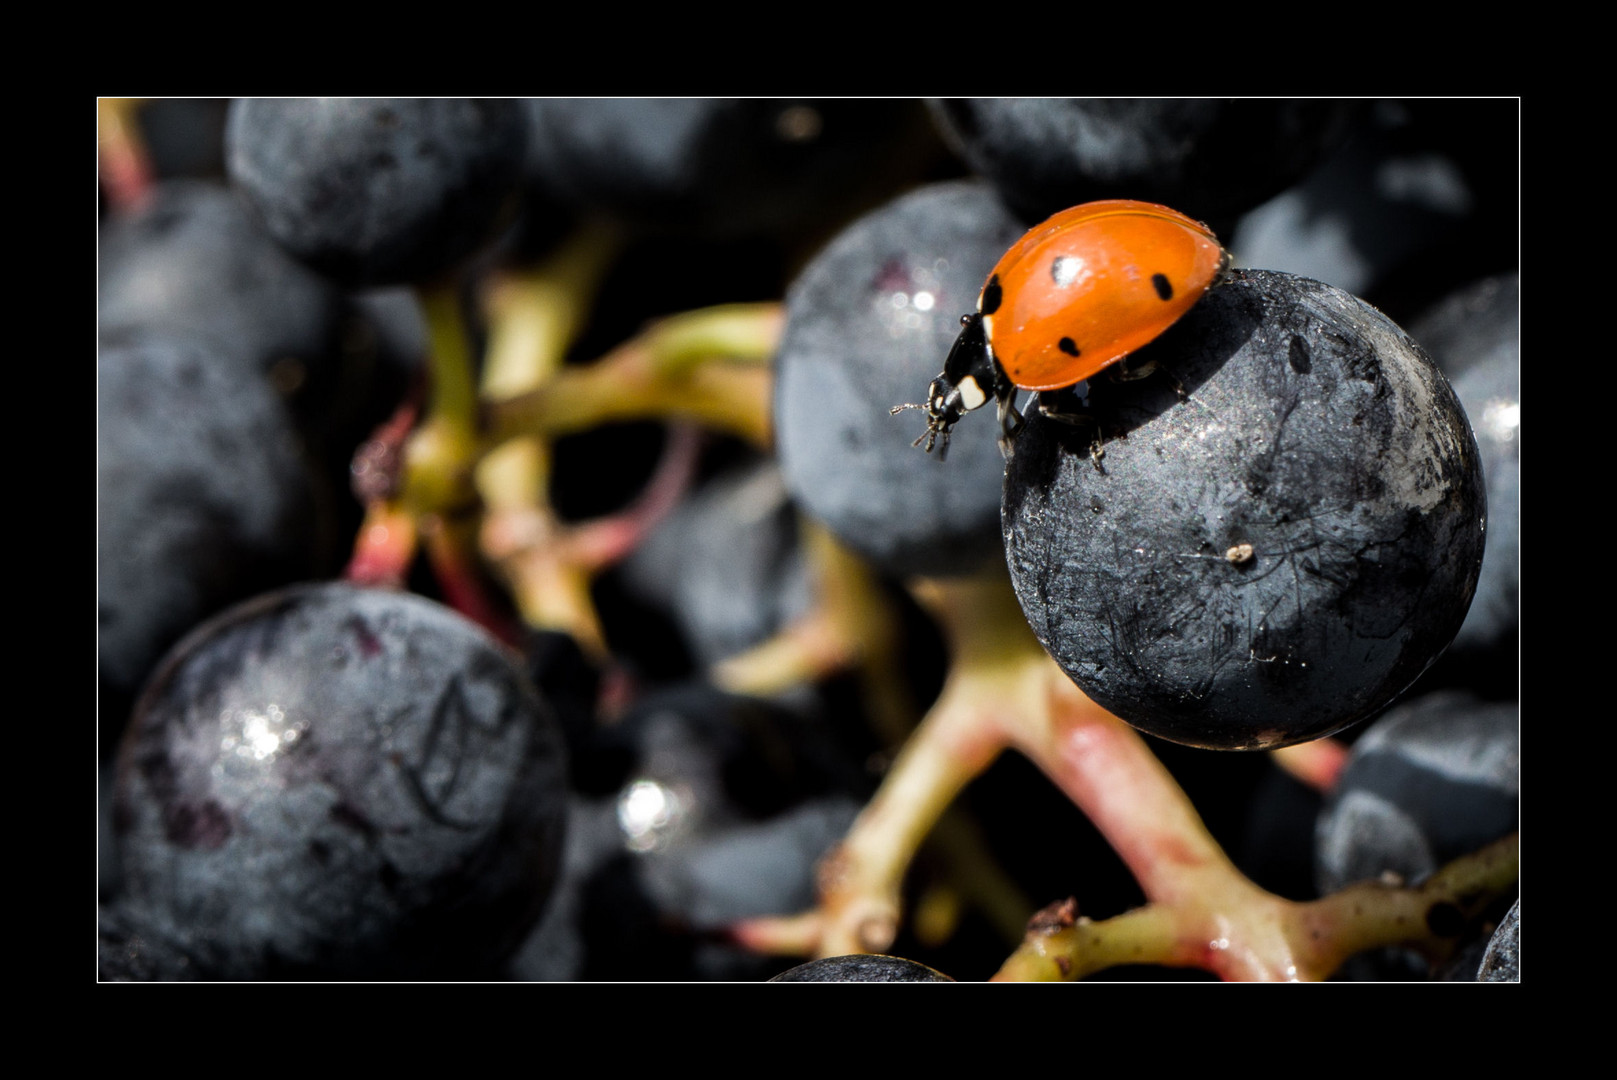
1093,284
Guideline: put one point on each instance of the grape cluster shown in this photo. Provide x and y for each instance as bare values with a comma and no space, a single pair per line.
511,566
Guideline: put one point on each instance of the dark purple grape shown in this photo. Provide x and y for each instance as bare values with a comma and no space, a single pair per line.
379,191
720,166
1502,962
1492,396
203,495
1272,558
862,969
697,808
1419,198
394,315
1473,326
1207,157
869,323
194,262
1371,205
336,782
726,564
663,913
185,136
1476,337
556,949
1435,778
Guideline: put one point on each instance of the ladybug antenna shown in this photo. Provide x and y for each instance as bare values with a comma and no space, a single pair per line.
930,435
934,429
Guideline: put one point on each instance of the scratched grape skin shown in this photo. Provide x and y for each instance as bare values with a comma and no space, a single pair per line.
1313,429
337,781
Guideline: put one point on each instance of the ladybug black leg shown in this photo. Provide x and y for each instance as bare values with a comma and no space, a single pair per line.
1010,421
1122,371
1052,405
1066,411
1178,387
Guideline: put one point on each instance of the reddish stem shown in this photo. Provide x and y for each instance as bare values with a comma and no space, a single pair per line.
374,472
1318,764
1107,770
126,168
462,584
384,548
604,541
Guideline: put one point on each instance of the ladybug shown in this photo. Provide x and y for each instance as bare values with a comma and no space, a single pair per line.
1071,298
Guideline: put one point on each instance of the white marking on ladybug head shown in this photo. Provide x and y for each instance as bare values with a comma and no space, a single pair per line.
971,395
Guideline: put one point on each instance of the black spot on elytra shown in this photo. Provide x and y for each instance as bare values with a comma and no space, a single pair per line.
1163,286
993,296
1068,346
1445,920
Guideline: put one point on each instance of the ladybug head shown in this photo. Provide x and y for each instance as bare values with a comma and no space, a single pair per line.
944,406
966,383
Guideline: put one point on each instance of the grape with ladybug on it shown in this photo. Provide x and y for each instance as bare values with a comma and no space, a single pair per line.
1071,298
